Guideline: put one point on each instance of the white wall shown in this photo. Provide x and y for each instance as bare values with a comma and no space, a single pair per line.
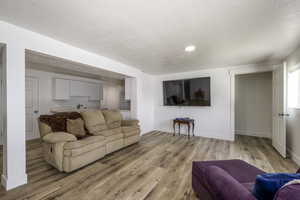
213,121
293,121
17,40
253,104
147,104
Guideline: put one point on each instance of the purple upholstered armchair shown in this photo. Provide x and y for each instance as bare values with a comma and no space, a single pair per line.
232,180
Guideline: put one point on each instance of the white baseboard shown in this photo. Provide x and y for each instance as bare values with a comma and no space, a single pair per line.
8,185
294,156
207,134
254,133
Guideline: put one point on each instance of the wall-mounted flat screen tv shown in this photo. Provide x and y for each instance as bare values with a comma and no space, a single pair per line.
187,92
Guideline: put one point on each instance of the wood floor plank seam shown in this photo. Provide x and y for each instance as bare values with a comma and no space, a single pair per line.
158,167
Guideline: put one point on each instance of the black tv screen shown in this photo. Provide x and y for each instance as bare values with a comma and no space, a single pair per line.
187,92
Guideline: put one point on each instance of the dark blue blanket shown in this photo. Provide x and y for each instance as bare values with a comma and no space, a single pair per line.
266,185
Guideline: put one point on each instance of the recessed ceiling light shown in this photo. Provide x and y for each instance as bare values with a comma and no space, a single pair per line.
190,48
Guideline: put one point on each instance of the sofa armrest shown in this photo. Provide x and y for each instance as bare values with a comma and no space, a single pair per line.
130,122
225,187
56,137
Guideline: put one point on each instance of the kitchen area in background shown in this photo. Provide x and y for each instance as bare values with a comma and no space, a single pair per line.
54,85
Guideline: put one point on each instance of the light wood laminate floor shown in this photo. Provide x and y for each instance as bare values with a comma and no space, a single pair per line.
158,168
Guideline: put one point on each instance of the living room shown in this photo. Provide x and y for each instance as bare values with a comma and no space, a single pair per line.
152,142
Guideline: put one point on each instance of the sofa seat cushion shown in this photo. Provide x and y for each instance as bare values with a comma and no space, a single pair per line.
100,140
113,118
114,137
94,121
85,148
71,163
131,140
130,128
131,133
115,145
110,132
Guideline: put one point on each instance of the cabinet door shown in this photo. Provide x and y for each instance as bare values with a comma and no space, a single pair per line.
94,91
61,89
79,89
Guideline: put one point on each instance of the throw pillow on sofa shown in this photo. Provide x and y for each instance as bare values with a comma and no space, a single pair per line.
76,127
266,185
94,121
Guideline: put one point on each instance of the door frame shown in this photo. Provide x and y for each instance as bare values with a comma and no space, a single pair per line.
238,71
2,92
38,103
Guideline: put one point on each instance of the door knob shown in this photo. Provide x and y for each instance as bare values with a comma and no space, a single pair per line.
36,112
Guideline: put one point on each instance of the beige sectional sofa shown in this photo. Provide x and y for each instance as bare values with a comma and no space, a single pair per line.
105,132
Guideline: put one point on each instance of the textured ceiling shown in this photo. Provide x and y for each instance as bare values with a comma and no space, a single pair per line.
152,35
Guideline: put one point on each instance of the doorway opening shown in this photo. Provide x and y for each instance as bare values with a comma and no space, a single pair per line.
259,106
55,85
253,104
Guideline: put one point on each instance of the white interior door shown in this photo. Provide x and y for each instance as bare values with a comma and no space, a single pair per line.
1,104
279,109
32,107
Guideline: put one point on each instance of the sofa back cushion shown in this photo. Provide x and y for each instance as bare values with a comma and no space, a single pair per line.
113,118
76,127
94,121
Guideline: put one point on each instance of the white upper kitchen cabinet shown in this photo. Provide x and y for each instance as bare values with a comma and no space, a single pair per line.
86,89
95,91
61,89
79,89
65,89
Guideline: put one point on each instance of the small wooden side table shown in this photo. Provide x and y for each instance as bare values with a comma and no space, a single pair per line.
184,121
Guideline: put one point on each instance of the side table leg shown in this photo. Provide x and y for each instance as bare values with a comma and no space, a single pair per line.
174,128
189,127
193,128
